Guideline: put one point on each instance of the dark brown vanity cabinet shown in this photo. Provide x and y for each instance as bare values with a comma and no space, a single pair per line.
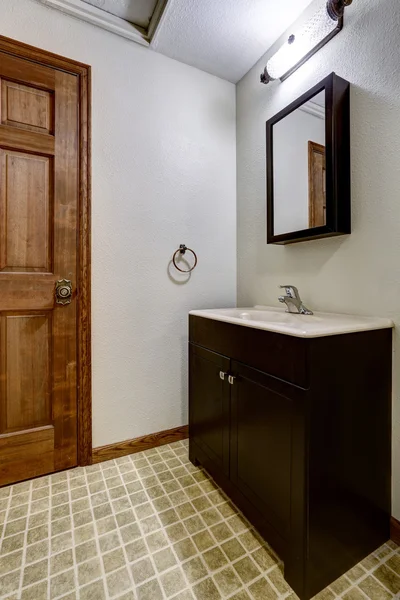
297,431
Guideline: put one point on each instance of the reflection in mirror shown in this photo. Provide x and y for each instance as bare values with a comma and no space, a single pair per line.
299,175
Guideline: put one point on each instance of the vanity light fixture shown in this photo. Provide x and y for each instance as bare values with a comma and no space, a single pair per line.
305,42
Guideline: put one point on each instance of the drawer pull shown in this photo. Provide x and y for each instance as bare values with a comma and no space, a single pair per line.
231,379
222,375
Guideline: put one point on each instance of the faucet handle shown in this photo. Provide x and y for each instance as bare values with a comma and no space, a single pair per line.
291,291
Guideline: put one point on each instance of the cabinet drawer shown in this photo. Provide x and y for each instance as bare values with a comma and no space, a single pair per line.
278,355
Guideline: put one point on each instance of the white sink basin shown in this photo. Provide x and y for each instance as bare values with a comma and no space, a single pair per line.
277,319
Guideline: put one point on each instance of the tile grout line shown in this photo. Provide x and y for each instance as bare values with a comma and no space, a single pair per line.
263,572
118,533
210,572
161,528
75,565
381,583
170,545
198,553
7,511
96,538
143,537
24,547
49,521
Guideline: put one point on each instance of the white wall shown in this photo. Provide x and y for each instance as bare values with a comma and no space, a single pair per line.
290,148
163,174
359,273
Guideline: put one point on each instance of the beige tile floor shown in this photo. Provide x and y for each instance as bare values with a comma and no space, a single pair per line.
150,526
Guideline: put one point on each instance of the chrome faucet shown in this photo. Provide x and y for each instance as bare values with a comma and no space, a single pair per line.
293,301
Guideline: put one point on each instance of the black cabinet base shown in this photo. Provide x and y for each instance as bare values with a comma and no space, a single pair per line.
299,437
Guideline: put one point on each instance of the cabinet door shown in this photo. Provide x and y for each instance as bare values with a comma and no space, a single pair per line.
209,404
261,443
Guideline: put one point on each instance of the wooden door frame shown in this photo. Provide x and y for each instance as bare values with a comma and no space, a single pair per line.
84,363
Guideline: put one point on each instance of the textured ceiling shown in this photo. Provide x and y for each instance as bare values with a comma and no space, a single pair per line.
223,37
134,11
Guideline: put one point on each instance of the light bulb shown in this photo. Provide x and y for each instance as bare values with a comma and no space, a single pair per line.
301,43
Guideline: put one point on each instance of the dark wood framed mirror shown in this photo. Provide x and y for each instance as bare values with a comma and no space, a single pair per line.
308,165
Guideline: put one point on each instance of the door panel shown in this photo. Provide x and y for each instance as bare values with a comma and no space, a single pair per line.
26,107
25,371
29,452
209,405
261,445
38,239
25,225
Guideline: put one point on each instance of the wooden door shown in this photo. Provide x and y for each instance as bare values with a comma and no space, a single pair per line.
261,445
209,400
39,195
316,185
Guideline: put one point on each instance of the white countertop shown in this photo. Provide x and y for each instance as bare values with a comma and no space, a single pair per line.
278,320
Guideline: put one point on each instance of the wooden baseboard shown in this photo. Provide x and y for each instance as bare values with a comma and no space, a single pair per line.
139,444
395,530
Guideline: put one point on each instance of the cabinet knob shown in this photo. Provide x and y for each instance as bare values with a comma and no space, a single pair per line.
222,375
231,379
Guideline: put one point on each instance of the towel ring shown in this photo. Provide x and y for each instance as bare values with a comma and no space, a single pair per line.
181,250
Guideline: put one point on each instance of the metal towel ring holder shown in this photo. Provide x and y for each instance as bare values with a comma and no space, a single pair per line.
181,250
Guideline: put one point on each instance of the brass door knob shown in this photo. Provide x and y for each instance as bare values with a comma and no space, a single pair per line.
63,291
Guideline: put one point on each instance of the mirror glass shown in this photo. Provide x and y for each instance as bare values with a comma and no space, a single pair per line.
299,174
